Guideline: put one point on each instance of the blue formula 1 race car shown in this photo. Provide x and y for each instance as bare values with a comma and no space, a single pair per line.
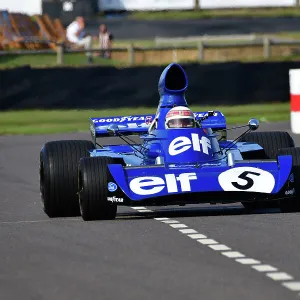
183,157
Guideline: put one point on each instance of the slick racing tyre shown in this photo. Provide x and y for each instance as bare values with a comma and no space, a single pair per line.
58,176
271,142
93,181
292,204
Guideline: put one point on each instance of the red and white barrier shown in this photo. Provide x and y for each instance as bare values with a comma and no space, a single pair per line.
295,100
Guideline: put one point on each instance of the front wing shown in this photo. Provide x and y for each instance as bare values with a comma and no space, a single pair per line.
247,180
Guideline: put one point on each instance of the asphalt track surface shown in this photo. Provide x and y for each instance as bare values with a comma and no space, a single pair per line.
137,256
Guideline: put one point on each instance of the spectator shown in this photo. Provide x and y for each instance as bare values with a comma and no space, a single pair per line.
75,34
105,40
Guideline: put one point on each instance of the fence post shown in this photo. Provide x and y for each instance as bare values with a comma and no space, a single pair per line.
60,53
200,50
131,54
298,3
267,48
174,54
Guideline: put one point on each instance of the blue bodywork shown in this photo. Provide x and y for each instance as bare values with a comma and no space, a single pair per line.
170,163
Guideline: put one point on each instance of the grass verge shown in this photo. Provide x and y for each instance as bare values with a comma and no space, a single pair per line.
49,60
59,121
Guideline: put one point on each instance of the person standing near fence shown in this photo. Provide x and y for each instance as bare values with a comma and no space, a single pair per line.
76,35
105,40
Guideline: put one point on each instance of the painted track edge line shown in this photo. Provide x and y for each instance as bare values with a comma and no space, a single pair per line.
270,271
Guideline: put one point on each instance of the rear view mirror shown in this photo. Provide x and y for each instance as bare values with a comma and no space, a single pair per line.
112,129
253,124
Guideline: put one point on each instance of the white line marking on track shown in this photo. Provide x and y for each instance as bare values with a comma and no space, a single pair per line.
170,221
219,247
207,241
187,231
197,236
269,270
138,207
247,261
264,268
178,225
145,210
233,254
293,286
279,276
39,221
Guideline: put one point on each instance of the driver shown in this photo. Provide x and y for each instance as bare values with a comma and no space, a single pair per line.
180,117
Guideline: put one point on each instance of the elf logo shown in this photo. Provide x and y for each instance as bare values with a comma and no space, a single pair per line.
183,143
150,185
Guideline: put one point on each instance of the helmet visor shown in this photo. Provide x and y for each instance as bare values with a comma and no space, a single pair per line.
181,123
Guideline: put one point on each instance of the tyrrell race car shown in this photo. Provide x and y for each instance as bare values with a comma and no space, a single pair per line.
183,157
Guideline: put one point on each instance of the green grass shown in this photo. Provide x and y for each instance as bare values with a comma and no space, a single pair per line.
288,35
213,13
57,121
76,59
49,60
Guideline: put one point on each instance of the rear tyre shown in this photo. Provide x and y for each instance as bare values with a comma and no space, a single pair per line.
58,176
271,142
93,188
292,204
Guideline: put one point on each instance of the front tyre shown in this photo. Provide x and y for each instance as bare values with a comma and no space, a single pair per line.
93,181
292,204
271,142
58,176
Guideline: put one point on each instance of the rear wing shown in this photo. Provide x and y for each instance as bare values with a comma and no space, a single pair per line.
139,124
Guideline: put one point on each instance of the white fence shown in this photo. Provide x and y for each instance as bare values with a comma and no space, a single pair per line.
106,5
265,43
209,4
32,7
206,38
